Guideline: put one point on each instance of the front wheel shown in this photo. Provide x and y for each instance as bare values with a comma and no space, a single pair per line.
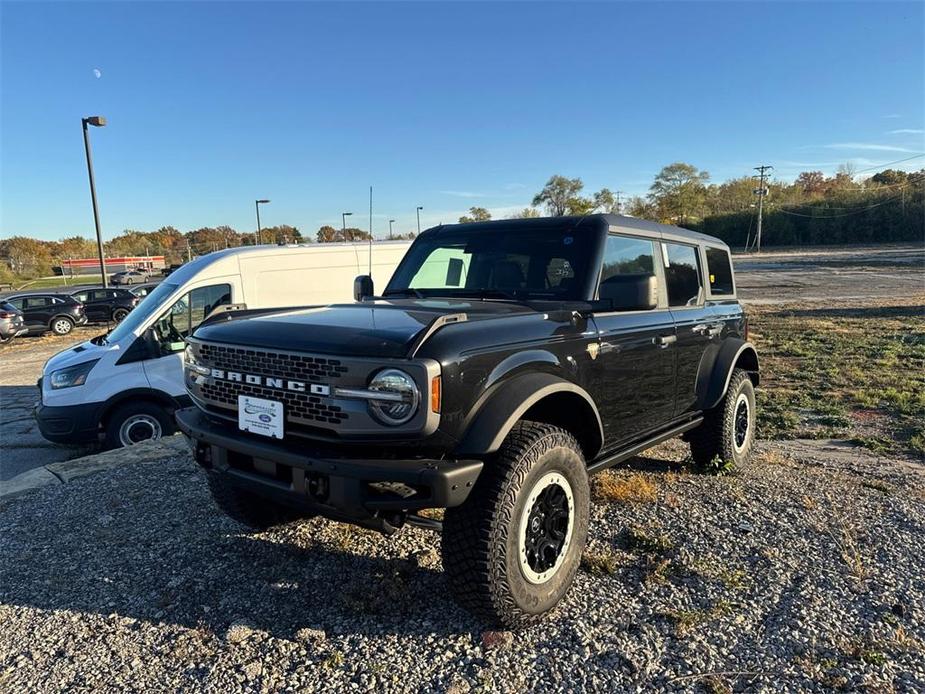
726,436
512,550
62,325
136,422
119,314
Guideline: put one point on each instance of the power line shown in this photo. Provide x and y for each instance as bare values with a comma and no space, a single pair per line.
898,161
859,210
761,191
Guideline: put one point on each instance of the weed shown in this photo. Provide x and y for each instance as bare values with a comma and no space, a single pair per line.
334,660
686,620
732,578
634,488
603,563
717,466
640,540
878,485
874,443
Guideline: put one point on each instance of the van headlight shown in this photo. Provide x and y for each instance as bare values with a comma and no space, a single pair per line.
400,397
71,376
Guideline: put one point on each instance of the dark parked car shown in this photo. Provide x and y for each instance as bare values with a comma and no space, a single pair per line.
58,313
130,277
11,323
504,364
142,290
104,305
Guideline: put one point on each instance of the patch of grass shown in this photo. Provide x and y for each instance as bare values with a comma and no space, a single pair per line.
334,660
717,466
878,485
836,372
729,577
686,621
635,488
602,563
639,539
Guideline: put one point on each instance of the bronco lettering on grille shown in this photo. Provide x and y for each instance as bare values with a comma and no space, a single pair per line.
270,382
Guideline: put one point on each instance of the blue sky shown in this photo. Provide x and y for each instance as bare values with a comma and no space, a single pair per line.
211,105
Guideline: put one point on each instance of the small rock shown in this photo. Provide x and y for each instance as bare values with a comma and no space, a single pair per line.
253,669
497,640
105,520
310,634
238,632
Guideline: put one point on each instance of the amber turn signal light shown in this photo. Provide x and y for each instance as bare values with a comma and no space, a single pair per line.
435,394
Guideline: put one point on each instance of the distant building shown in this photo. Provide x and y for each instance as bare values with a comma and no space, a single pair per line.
91,266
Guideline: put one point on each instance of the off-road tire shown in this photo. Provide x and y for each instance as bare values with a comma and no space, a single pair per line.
715,438
250,510
134,418
481,538
58,323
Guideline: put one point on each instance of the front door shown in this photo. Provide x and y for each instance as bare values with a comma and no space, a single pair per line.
634,390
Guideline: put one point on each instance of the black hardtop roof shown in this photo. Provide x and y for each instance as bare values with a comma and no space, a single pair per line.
591,222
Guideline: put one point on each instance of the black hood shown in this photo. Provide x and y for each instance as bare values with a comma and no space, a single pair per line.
380,328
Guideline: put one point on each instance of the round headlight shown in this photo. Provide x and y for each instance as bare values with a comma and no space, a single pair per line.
400,397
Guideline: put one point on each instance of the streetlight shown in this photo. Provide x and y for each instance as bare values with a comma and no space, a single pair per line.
343,224
419,218
257,204
391,222
96,122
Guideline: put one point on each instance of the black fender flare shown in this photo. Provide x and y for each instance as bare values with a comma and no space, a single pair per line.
513,397
714,376
166,400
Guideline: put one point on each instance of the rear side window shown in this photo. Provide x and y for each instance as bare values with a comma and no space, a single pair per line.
719,268
37,302
682,275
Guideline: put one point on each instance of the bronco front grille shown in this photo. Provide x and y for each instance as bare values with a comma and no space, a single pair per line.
298,367
301,406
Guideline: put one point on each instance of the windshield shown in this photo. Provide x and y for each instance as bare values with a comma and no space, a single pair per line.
537,264
150,305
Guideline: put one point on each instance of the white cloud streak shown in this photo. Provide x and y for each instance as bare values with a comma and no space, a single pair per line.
869,147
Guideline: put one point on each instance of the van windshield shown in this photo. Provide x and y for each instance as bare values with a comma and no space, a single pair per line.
151,304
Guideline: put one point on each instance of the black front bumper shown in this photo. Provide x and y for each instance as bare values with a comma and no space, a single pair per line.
369,491
69,423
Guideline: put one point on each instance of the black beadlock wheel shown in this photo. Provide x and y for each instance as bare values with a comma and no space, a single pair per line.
728,430
250,510
512,550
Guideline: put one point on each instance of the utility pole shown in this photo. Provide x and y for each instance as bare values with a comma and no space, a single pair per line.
761,192
619,193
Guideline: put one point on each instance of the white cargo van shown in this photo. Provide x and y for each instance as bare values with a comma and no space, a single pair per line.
124,386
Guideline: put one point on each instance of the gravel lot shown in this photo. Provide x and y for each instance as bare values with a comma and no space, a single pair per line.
802,572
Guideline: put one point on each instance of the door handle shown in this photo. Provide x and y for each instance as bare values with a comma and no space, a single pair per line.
710,329
664,340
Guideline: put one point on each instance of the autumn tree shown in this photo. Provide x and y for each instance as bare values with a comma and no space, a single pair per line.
559,195
476,214
679,190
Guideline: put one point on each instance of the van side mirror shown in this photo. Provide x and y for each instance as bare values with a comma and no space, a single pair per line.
629,292
363,288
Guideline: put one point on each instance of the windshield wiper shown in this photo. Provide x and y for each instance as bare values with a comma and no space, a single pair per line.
485,293
407,291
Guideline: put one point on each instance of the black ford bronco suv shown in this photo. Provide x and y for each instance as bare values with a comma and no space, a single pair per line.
503,364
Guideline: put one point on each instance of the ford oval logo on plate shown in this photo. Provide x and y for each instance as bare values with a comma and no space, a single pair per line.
266,418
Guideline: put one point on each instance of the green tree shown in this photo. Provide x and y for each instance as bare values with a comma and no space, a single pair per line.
679,191
27,257
476,214
890,177
559,195
526,213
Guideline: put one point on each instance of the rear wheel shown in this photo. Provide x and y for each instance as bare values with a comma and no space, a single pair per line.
119,314
247,508
62,325
512,550
5,340
727,434
136,422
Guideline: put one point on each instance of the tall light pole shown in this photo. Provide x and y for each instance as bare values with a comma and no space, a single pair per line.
391,222
257,204
419,218
343,224
96,122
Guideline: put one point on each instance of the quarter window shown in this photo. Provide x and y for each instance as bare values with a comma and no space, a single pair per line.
682,275
719,268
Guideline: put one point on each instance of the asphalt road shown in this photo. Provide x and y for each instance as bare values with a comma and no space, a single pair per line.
812,275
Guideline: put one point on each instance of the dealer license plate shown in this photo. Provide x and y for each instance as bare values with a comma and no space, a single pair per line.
258,416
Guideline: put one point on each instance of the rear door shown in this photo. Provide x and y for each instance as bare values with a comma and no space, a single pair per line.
692,318
35,311
635,367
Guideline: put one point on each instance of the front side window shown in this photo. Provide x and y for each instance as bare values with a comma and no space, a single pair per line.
682,275
628,268
537,264
719,269
189,311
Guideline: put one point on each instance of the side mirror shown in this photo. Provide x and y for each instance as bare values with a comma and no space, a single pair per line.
363,288
630,292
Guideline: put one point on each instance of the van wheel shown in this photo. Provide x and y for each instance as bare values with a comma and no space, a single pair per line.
726,436
119,314
62,325
250,510
512,549
136,422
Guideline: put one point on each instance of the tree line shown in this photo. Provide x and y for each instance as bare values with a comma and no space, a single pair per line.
813,209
